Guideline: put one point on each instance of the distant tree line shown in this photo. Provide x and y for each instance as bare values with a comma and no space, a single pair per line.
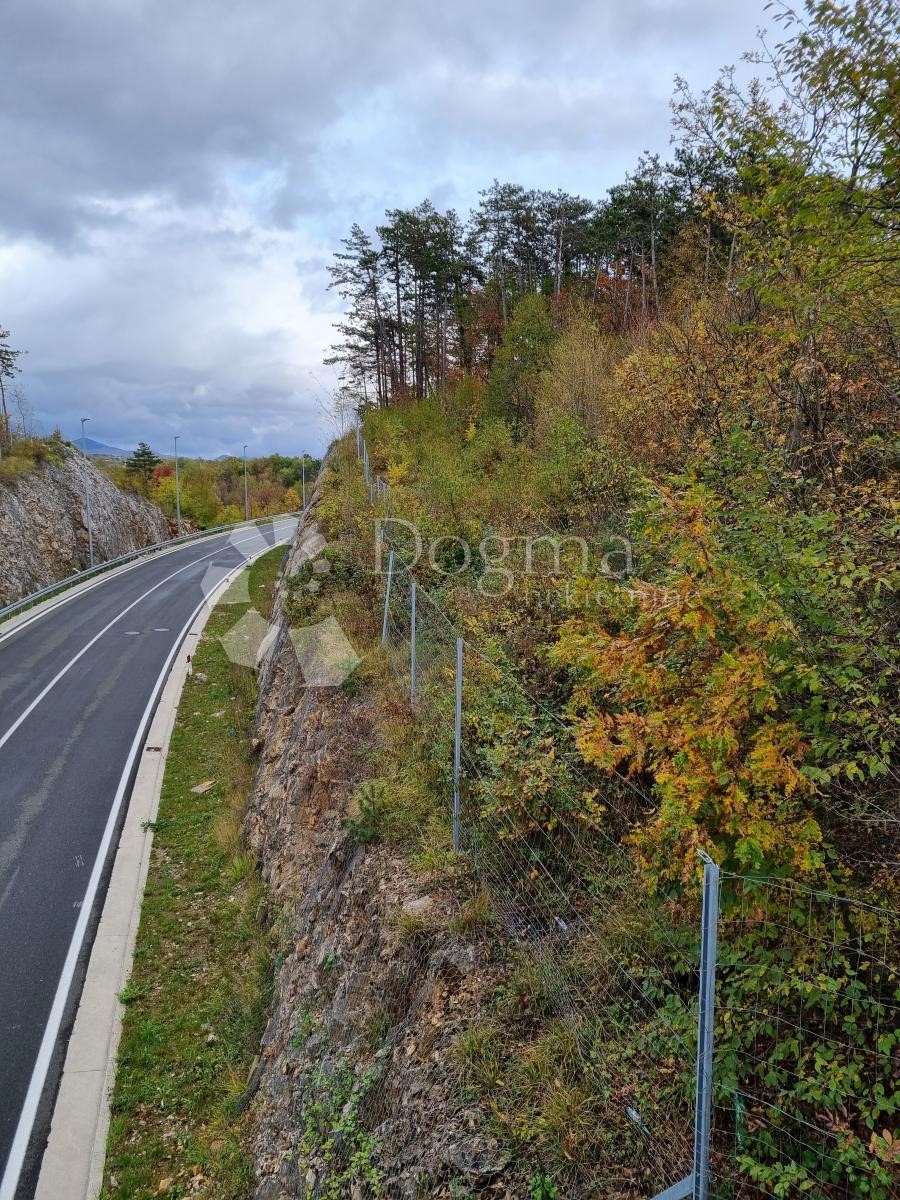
432,293
778,209
212,493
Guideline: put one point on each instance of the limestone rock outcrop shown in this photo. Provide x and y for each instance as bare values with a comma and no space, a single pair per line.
43,523
356,1090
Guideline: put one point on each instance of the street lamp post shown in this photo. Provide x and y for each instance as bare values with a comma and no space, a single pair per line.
177,488
87,493
246,493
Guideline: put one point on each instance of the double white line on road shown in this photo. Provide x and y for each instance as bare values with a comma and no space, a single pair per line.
10,1181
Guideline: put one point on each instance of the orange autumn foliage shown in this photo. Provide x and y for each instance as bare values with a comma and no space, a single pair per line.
678,685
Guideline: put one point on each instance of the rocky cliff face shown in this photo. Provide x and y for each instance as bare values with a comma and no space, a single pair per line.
43,524
356,1092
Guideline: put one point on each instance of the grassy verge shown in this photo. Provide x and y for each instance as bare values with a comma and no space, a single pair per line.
201,981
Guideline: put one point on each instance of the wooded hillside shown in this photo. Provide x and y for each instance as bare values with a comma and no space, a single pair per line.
698,375
706,361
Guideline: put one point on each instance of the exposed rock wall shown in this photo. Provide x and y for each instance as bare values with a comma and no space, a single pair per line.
356,1092
43,524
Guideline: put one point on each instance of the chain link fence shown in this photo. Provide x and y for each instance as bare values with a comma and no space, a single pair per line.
755,1056
804,1090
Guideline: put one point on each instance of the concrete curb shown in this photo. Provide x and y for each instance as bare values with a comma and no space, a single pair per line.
74,1159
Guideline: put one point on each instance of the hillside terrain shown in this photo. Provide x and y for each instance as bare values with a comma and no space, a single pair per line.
43,519
640,456
582,673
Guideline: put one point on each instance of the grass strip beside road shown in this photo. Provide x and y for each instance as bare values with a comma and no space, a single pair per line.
202,975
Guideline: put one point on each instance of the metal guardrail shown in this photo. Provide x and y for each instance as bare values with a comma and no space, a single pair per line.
100,568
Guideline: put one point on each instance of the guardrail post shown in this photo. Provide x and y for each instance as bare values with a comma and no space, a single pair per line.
704,1092
412,643
457,746
387,598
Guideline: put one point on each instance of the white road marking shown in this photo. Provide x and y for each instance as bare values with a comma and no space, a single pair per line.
96,638
80,589
10,1181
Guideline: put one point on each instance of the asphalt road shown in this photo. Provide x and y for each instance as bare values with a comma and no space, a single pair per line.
77,687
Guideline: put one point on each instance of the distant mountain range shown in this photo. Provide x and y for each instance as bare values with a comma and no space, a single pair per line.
100,448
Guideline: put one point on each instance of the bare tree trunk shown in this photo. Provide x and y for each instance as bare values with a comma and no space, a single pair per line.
444,348
402,363
4,417
559,247
420,340
502,274
628,289
379,389
380,373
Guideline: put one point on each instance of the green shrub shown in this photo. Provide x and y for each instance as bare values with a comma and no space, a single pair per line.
13,468
542,1187
367,812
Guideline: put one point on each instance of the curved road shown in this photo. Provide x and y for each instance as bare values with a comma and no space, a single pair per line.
78,684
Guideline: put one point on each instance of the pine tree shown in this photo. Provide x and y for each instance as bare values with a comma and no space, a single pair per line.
143,462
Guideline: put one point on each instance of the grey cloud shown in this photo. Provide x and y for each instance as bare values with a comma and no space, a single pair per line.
268,419
176,172
119,97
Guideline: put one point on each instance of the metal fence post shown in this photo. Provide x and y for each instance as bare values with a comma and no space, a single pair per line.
387,598
457,744
705,1027
412,642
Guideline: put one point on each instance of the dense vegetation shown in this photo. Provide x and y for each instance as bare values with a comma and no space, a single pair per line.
708,364
212,492
705,365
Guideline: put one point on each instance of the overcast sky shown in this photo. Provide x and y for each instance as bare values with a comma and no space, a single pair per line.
176,174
